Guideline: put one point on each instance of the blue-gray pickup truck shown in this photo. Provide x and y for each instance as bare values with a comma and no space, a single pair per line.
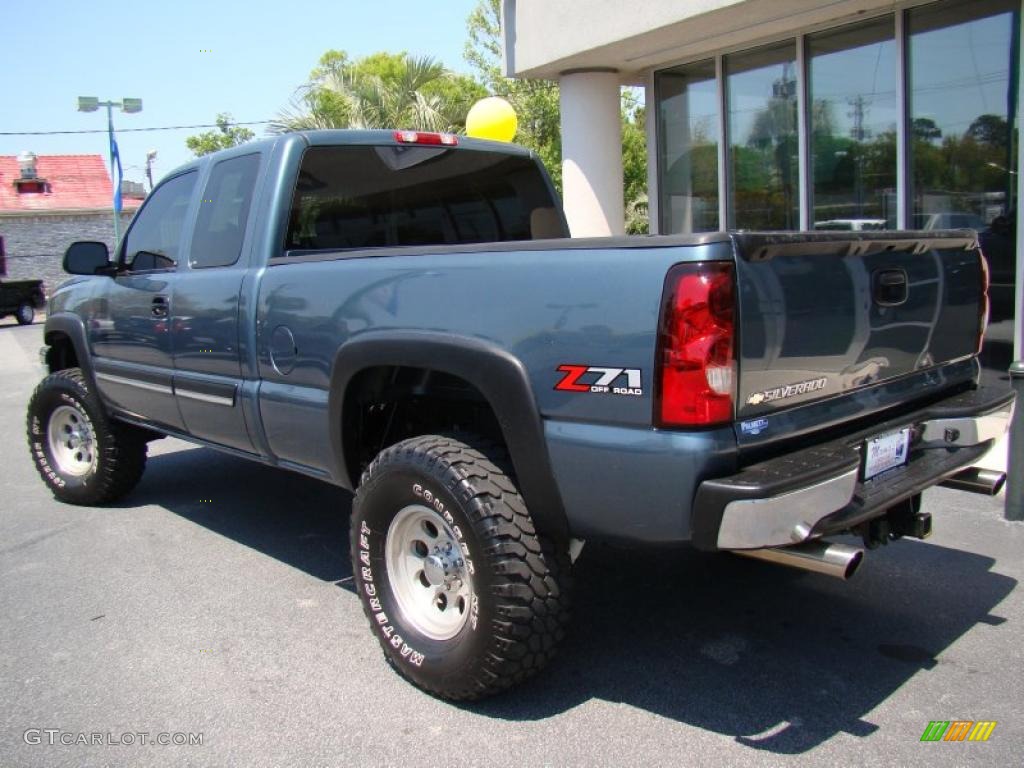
402,314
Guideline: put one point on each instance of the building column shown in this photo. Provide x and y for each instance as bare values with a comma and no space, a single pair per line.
592,153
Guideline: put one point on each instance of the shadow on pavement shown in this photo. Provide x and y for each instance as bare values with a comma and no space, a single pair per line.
778,659
295,519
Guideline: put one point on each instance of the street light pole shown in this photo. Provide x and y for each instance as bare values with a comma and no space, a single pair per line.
128,106
1013,505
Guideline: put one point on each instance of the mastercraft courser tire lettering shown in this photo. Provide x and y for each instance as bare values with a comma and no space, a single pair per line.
464,596
84,457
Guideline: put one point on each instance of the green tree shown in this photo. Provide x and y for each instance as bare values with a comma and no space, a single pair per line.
634,164
990,129
382,90
925,129
536,103
226,135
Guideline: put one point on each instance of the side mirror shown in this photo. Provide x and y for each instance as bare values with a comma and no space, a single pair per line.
87,257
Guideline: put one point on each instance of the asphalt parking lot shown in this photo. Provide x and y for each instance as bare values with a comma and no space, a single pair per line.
216,600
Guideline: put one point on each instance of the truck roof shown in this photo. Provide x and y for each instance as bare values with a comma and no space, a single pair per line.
346,137
387,137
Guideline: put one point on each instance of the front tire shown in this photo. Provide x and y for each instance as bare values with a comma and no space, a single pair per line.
461,592
84,457
26,313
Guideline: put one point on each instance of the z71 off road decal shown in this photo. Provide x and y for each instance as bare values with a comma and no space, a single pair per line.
597,379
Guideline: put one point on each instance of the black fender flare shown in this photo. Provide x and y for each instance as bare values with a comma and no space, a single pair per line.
499,376
73,327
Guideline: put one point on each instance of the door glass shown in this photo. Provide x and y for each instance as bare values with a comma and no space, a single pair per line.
223,212
687,99
763,158
854,111
154,240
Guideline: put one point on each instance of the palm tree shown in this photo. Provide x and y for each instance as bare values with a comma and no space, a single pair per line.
411,95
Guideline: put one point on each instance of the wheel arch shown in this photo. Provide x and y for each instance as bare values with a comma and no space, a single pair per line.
497,374
65,331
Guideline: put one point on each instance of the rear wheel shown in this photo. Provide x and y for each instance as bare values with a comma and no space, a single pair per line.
26,313
462,593
84,457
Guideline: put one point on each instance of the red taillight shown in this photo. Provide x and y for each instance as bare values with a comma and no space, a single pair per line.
983,302
695,366
423,137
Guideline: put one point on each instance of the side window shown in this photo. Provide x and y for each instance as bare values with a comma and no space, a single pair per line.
155,237
223,212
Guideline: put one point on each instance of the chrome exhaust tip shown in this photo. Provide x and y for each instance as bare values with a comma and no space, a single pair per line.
977,480
836,560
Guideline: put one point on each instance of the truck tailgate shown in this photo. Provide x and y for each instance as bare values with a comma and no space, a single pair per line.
825,315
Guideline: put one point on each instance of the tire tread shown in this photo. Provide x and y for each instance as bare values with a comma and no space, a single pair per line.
532,579
123,448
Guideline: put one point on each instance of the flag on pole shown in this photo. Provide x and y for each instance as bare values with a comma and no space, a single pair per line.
115,161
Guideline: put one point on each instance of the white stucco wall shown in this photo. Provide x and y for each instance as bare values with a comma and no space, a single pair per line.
549,37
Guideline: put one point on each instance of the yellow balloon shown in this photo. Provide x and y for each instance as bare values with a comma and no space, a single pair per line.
492,118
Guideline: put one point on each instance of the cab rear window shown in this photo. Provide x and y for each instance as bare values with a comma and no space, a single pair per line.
378,196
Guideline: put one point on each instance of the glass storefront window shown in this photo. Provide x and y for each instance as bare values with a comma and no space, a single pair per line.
962,60
761,93
853,114
956,117
688,148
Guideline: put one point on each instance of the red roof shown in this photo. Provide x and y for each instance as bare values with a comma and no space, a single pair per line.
74,182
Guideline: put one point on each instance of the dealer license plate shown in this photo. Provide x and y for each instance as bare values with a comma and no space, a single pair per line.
886,452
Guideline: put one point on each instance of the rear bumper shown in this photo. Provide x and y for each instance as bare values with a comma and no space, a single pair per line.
820,490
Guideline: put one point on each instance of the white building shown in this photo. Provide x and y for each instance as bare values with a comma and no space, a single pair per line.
791,114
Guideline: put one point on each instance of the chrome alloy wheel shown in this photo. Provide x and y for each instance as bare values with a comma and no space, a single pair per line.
72,441
428,573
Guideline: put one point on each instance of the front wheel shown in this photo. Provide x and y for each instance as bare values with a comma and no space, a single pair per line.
26,313
464,596
84,457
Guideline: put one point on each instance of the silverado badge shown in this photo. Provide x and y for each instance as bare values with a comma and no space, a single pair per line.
789,390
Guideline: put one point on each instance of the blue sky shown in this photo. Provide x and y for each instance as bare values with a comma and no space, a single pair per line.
259,52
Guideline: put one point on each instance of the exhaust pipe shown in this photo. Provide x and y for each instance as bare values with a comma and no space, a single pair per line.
977,480
837,560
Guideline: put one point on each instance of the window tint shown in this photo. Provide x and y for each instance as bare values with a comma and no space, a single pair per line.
688,147
223,212
369,196
154,239
963,147
852,74
764,175
963,70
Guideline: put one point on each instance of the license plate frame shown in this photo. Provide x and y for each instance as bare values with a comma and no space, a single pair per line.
885,452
